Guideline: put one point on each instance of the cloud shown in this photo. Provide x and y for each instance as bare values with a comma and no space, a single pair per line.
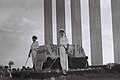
20,3
27,21
20,25
7,30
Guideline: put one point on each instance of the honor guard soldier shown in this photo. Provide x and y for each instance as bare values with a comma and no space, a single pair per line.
63,47
34,49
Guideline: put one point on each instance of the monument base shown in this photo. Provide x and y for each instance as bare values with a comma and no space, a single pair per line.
73,63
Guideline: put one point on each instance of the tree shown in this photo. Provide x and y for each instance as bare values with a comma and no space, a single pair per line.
11,63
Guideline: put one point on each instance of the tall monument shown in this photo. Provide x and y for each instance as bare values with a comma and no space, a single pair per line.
95,26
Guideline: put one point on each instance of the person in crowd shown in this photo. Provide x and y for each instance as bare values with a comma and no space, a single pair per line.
34,49
23,68
63,48
7,72
1,72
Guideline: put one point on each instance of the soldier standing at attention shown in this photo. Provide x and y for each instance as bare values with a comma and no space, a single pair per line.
34,49
63,47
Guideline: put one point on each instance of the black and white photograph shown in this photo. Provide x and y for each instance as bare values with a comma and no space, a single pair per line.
59,39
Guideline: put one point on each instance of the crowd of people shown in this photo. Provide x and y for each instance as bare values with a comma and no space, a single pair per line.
5,71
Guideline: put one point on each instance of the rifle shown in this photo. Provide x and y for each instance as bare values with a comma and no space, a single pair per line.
66,49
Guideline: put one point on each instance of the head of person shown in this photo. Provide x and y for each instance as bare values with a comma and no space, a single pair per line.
62,32
34,38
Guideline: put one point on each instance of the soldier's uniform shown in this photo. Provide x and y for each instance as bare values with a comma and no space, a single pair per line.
63,55
34,48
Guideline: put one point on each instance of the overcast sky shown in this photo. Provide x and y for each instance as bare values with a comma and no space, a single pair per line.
20,19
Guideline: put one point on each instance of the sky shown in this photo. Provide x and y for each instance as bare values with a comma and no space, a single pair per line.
20,19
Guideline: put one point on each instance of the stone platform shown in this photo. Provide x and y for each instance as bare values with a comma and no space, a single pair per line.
90,73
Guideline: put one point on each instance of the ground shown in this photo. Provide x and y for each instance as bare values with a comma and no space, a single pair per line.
67,79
